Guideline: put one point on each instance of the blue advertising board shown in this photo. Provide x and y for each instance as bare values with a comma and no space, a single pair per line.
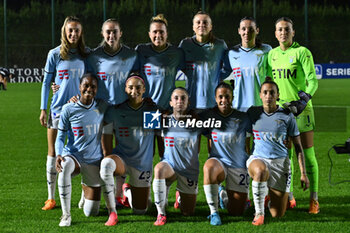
341,70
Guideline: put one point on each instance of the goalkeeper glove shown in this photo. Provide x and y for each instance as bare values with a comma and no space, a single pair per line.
298,106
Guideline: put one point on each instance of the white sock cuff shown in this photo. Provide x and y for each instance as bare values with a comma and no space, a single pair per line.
91,207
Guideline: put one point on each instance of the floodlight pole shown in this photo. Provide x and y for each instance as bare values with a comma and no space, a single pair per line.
104,10
306,25
5,34
254,9
154,7
52,23
203,5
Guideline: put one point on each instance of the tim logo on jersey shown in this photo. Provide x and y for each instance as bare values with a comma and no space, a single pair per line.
151,120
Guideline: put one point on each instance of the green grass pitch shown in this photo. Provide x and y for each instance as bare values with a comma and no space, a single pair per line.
23,178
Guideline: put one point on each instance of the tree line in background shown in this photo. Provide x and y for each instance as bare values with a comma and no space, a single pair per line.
29,28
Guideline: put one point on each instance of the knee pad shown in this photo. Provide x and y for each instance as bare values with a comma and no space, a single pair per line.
139,212
107,168
91,207
68,165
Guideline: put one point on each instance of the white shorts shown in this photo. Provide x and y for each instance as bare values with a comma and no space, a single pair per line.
280,172
53,120
90,173
139,179
237,179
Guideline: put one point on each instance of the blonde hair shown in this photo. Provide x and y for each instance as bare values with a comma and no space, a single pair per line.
64,51
159,19
211,35
111,20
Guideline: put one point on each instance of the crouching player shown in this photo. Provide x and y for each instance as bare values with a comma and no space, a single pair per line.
133,154
227,160
269,165
82,122
180,161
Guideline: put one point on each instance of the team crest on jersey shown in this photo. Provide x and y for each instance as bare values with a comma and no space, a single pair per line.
291,59
151,120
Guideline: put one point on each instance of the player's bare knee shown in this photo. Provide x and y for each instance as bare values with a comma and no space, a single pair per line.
159,170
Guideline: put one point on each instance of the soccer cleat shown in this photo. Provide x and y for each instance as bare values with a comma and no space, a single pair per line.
119,202
267,201
314,207
49,204
291,203
161,220
215,219
65,220
177,197
125,187
248,204
81,203
112,220
258,220
221,201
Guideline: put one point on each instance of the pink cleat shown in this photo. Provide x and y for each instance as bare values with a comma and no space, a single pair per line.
112,220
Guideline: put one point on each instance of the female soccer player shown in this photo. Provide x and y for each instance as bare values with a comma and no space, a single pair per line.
133,154
112,62
292,67
180,160
269,165
160,61
203,55
247,63
82,122
227,160
65,65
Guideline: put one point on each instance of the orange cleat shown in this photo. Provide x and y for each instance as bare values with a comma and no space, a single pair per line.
112,220
291,203
49,204
161,220
125,187
177,203
258,220
314,207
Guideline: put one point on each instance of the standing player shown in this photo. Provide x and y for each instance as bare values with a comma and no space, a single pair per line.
160,61
292,68
269,165
65,65
134,146
203,54
180,161
247,62
228,157
82,122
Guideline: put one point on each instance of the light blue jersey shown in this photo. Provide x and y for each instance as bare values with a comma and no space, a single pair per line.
271,131
112,72
249,69
83,124
134,144
66,73
159,70
203,70
181,149
228,141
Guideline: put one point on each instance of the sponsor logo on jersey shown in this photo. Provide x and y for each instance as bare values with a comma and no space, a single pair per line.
123,132
169,141
284,73
102,76
78,131
151,120
237,72
63,74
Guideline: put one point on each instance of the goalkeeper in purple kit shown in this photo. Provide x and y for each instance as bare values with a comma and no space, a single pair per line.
292,68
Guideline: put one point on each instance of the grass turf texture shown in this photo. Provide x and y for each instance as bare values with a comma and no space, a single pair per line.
23,179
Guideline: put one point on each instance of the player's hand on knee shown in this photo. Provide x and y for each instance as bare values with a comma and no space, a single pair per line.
55,88
304,181
59,160
43,118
